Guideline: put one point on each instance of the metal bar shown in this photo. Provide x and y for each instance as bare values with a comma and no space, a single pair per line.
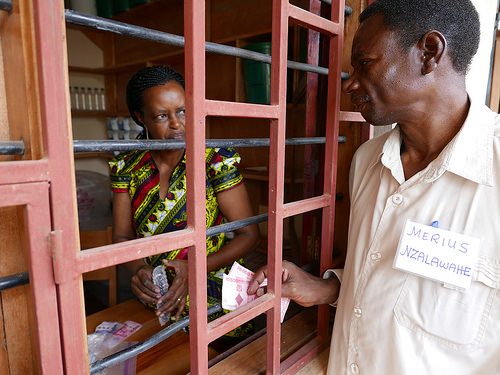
13,281
12,148
6,5
233,225
129,145
81,19
148,343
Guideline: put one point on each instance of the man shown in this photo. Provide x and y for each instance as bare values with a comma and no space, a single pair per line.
440,165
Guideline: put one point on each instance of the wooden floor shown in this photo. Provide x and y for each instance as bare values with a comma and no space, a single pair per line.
317,366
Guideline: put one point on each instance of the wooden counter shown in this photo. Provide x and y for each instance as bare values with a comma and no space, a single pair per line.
170,357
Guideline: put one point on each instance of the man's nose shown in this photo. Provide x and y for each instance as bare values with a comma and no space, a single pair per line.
350,84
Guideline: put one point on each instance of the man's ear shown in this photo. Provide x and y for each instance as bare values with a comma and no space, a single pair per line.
432,47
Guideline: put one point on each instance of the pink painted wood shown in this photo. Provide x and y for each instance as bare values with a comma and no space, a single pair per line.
35,199
49,26
310,128
194,31
331,149
53,86
276,178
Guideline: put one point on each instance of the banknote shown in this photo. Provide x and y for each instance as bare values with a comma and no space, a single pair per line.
234,289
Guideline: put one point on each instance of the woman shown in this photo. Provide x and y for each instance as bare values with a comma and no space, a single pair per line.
150,193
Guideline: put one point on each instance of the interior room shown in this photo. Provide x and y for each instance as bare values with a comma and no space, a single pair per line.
265,79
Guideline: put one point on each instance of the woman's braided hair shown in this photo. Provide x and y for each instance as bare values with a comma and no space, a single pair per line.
144,79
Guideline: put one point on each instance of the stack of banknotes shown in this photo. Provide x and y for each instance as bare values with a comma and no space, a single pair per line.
234,289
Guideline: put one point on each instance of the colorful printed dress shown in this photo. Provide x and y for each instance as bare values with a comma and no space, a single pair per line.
135,172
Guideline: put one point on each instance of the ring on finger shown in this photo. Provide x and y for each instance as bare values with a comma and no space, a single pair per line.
179,299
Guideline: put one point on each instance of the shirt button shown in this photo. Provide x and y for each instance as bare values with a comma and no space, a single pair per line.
397,199
354,368
375,256
357,312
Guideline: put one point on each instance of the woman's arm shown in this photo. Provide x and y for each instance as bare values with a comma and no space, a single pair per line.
123,230
234,205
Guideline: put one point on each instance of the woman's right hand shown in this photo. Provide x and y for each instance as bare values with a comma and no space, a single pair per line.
142,285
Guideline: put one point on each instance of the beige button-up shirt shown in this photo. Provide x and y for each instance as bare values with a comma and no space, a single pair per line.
389,322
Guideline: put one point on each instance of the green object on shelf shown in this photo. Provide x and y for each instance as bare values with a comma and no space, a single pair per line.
120,6
258,75
104,8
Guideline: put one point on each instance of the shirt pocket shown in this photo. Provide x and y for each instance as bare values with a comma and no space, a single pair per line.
454,318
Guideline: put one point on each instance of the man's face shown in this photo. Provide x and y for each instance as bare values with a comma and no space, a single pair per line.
384,82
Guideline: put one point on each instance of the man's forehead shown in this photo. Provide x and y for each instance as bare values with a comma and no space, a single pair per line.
371,33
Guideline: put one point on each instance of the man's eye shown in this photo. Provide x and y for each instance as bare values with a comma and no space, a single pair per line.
363,62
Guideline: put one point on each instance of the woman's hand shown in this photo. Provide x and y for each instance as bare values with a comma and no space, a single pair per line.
299,285
142,285
178,291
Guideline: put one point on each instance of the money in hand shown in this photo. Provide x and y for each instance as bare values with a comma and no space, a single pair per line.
234,289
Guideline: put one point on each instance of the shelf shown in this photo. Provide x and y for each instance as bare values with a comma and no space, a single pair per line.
88,155
80,113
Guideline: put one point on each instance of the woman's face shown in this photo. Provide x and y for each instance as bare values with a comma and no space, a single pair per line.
164,111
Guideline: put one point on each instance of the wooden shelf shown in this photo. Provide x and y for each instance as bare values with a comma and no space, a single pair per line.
76,112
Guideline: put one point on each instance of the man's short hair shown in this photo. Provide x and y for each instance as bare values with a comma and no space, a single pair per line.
457,20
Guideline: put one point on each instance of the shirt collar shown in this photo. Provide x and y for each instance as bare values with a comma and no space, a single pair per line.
469,154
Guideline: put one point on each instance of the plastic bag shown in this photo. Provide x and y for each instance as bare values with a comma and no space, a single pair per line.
108,338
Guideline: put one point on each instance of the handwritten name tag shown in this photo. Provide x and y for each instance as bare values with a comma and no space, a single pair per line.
437,254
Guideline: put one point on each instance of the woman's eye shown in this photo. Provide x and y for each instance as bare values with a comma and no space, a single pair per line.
162,116
182,113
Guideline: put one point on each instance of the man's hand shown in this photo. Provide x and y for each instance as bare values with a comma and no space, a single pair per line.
299,285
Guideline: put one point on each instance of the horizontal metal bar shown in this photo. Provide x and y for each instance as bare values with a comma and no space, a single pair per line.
144,144
6,5
12,148
81,19
148,343
17,147
12,281
347,10
233,225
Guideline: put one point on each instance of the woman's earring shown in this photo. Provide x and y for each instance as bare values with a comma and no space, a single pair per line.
147,132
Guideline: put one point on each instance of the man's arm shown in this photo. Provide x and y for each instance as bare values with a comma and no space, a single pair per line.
299,285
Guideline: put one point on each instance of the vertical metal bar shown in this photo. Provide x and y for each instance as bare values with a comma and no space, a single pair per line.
331,149
54,107
276,178
194,30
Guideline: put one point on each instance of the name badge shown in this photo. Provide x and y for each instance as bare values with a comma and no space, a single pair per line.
437,254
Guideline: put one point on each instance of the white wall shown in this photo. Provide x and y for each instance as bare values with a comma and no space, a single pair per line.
83,52
478,76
